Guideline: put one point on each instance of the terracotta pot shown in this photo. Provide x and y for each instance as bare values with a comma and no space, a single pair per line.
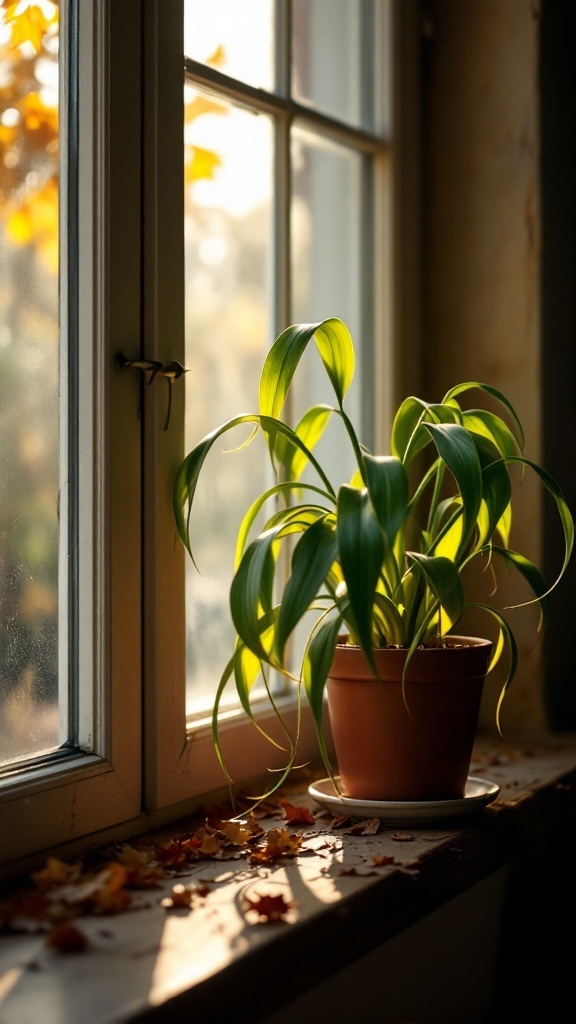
386,752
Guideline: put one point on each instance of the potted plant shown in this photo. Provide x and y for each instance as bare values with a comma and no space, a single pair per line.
379,562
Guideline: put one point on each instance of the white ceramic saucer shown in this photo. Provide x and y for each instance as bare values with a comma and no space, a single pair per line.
478,793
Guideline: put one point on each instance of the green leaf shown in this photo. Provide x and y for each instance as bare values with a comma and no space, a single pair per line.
388,620
563,511
310,429
460,454
495,393
361,546
408,436
284,488
187,476
387,483
313,555
186,480
317,664
444,580
336,349
495,513
251,592
533,576
506,641
494,429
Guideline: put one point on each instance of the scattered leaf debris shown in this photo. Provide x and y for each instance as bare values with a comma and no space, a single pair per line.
180,896
296,815
67,938
268,908
369,827
115,879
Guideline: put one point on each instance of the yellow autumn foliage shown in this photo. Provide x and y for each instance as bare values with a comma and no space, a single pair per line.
29,143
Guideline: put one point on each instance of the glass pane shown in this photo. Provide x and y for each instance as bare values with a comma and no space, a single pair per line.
235,37
228,238
327,55
326,236
326,270
30,718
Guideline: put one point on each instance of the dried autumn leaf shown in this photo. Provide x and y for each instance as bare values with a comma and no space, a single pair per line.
209,843
382,859
369,827
278,843
269,908
238,832
140,873
296,815
180,896
360,870
56,872
24,912
403,837
173,854
67,938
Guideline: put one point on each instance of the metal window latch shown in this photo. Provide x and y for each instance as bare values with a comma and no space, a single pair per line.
152,368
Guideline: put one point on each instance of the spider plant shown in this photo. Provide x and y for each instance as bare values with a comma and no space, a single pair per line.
380,559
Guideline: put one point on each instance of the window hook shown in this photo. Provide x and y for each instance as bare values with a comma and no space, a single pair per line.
171,371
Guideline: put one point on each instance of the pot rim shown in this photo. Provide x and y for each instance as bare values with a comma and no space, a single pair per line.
468,641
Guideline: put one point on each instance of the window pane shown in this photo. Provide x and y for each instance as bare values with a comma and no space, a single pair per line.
228,238
30,719
235,37
326,272
326,281
327,64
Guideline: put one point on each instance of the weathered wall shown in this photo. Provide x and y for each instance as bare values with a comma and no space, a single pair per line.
481,253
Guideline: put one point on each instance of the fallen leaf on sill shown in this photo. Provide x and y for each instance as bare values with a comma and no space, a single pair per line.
180,896
336,823
382,859
361,870
369,827
402,837
278,843
242,832
268,908
67,938
56,871
296,815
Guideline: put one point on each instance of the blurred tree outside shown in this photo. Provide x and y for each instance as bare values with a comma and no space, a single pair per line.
29,419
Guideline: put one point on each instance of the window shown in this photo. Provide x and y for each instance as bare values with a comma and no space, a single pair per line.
232,176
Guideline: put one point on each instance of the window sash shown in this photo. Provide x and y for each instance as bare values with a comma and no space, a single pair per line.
130,301
180,757
98,784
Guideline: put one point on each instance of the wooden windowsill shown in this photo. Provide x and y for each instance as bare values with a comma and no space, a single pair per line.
152,964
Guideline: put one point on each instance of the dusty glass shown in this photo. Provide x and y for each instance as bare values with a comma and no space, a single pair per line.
32,719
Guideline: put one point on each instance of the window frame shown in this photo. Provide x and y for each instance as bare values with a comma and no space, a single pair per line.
140,763
97,785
